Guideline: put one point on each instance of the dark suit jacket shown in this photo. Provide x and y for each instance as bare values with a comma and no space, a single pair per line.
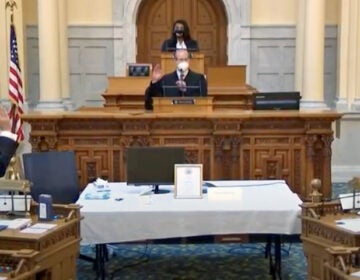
7,150
166,86
169,45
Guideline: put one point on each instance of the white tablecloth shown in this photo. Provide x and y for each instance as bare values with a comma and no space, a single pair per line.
265,207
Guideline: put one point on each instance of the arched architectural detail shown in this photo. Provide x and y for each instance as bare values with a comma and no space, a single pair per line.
124,18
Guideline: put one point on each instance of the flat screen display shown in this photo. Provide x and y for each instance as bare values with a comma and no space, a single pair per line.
285,100
152,165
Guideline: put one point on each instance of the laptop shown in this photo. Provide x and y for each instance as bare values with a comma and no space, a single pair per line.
350,201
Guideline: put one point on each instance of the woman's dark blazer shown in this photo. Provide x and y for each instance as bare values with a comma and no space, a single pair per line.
169,45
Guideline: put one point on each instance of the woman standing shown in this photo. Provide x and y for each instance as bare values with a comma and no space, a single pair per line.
180,38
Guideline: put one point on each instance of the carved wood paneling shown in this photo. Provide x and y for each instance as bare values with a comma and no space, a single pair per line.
291,146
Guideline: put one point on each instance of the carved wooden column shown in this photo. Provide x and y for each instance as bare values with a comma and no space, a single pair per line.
326,168
310,154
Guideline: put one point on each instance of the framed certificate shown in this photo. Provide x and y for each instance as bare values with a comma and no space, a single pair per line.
188,180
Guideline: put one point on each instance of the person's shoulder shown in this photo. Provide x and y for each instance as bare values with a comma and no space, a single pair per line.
167,41
197,74
170,75
192,45
168,45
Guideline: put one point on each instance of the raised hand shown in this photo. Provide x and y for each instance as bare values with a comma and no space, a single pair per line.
4,119
156,73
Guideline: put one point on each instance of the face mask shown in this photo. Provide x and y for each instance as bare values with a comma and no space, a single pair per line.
183,66
179,32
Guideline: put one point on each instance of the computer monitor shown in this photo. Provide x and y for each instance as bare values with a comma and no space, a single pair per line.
153,165
280,100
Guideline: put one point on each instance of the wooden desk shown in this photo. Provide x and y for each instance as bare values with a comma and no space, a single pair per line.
231,144
183,104
226,84
319,233
57,248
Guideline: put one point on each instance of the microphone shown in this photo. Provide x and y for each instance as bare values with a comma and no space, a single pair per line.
174,90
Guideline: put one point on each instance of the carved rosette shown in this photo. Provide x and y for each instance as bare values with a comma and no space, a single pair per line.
271,169
91,171
191,156
227,152
134,141
43,143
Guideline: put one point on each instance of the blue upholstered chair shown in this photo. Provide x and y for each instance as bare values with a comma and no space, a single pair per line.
52,173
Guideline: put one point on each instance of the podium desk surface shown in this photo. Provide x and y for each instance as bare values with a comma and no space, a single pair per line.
112,113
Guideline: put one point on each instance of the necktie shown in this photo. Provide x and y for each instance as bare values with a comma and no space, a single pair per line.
182,84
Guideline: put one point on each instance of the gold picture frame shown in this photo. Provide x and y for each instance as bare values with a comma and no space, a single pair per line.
188,180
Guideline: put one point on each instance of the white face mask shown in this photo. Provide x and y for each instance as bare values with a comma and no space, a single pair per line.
183,66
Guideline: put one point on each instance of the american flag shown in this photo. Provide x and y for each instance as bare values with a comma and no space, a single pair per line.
15,88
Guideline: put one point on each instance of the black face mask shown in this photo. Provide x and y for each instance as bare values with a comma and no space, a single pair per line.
179,32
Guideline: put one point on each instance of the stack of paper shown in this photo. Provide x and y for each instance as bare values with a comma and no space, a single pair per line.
38,228
349,224
16,223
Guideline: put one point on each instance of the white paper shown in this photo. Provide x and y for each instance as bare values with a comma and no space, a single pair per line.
188,181
16,223
38,228
349,201
349,224
355,274
34,230
224,193
43,225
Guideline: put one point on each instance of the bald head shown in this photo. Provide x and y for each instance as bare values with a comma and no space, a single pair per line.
182,55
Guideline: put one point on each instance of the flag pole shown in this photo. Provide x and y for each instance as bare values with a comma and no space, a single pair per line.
11,4
15,81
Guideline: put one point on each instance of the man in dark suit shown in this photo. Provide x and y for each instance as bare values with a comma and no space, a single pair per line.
181,82
180,38
8,142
